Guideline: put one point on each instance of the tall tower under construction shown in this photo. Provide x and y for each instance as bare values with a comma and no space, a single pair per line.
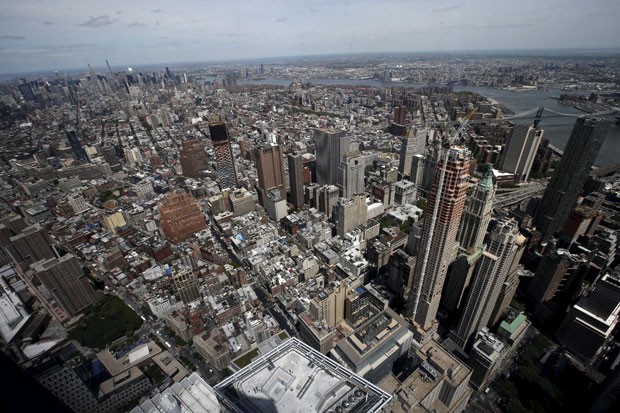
443,213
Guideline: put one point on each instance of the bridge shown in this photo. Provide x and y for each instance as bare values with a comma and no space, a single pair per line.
519,194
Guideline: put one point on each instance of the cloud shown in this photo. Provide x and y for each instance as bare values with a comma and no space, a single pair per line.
48,23
442,9
11,37
281,19
98,21
136,24
156,11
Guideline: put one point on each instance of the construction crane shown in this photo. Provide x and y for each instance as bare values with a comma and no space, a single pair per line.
443,155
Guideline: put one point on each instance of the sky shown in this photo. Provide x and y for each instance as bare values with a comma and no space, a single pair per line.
59,34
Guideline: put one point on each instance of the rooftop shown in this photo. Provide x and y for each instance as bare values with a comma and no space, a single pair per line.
295,378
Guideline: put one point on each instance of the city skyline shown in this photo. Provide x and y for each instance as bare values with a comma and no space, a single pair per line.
59,36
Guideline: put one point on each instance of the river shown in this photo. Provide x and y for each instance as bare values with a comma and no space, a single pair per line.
557,129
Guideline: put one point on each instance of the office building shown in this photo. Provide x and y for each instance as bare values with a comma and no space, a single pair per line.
477,214
404,192
270,169
192,394
186,284
400,115
510,284
438,236
316,334
293,375
351,173
65,285
568,179
520,151
401,270
373,347
275,205
329,305
193,158
555,267
224,161
489,275
326,197
76,146
438,384
330,148
296,179
458,279
349,213
414,144
180,216
485,358
590,323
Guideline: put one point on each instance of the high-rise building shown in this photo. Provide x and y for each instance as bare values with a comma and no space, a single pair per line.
510,284
270,169
590,323
443,213
76,146
275,205
400,115
349,213
351,173
568,179
180,216
193,157
439,382
326,197
296,179
224,162
330,148
477,214
413,144
520,151
63,280
458,279
554,267
185,281
487,281
485,358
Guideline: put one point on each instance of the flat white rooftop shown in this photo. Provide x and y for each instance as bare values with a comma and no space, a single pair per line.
294,378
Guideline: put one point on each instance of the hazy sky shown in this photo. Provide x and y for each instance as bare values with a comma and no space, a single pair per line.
57,34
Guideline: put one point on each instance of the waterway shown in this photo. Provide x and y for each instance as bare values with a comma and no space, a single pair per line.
557,129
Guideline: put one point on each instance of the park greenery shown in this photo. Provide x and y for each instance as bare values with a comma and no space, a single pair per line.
105,322
533,387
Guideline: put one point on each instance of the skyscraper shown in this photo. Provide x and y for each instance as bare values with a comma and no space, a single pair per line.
270,169
444,209
193,157
590,323
351,173
413,144
296,179
76,146
349,213
224,162
487,280
567,182
330,148
520,151
180,216
477,214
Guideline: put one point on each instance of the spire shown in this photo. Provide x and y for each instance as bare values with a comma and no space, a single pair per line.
487,180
